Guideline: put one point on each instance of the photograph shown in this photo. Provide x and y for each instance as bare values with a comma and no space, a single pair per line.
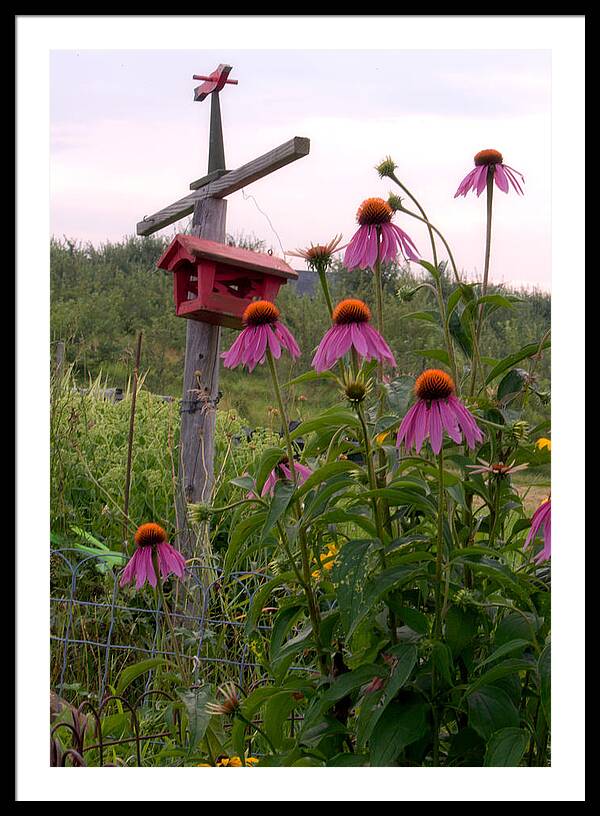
298,317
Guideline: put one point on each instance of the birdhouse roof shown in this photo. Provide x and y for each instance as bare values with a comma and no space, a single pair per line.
193,247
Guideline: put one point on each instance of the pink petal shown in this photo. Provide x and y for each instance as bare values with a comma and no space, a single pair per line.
435,427
500,178
481,179
421,424
130,569
287,339
358,340
467,183
512,177
406,429
450,422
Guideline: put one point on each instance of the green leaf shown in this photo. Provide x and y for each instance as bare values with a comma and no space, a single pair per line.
508,667
403,724
348,573
269,459
376,588
511,385
277,709
89,538
281,626
516,626
500,300
343,685
325,472
262,595
129,674
417,621
466,749
505,748
441,658
490,709
461,333
282,495
335,418
240,535
429,316
434,354
508,362
430,268
506,648
195,701
343,517
348,761
310,376
544,665
245,482
406,655
453,301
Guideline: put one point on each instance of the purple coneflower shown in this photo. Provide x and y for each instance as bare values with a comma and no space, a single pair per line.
148,539
229,704
351,329
375,216
437,409
318,256
540,524
282,470
262,330
498,469
489,161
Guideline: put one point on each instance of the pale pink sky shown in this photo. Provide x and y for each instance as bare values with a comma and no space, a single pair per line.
127,139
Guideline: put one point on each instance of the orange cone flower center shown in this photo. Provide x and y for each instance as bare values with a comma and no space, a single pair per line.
320,252
351,311
488,157
374,211
149,534
260,312
434,384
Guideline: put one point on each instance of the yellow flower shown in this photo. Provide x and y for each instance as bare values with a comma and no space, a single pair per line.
235,762
380,438
543,443
327,560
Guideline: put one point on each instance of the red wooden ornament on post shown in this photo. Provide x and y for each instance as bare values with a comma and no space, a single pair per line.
214,283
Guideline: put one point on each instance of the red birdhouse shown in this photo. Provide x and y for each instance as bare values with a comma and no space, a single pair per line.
214,282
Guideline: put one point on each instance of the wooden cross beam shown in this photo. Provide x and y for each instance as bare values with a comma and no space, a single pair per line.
221,183
208,204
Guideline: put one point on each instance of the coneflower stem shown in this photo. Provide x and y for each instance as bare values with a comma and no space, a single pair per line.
379,306
422,211
282,414
325,287
379,524
308,590
437,627
440,547
438,283
163,603
250,724
486,271
495,511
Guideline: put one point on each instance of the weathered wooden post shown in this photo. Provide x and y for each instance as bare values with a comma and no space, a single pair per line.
201,369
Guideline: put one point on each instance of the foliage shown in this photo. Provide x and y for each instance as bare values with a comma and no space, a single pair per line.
101,298
392,612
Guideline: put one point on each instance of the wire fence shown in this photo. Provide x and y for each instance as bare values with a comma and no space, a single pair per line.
98,629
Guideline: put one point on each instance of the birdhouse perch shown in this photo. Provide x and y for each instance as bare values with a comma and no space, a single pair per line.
214,283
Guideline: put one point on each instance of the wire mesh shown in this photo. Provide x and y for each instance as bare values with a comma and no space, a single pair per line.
110,627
